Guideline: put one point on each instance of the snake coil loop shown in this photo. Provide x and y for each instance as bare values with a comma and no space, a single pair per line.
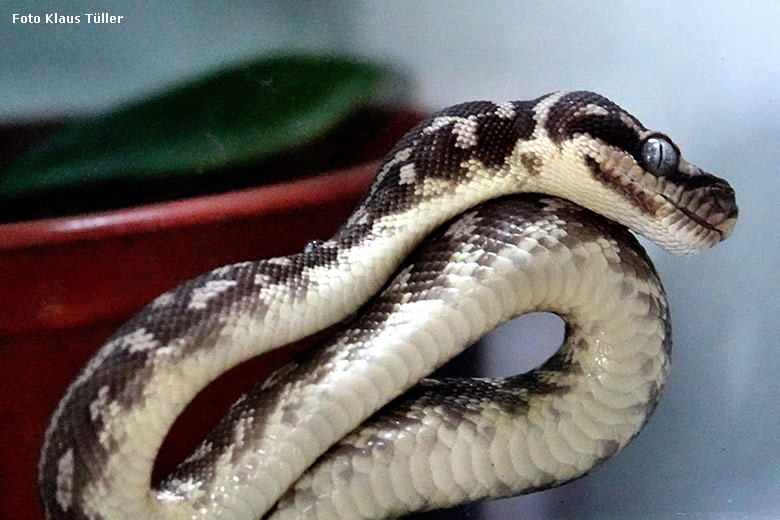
319,439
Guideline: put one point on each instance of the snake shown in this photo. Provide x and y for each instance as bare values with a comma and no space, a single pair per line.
482,212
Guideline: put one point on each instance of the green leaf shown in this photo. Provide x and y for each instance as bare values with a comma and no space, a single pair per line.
230,117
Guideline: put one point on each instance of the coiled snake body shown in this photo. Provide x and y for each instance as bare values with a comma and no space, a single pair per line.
443,442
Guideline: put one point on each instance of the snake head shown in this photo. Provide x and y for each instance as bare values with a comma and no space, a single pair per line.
637,176
694,198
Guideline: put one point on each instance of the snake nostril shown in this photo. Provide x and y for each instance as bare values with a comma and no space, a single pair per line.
725,198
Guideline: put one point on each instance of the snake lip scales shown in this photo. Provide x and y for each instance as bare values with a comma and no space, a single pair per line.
318,439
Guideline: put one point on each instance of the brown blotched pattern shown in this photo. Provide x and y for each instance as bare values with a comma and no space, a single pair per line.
488,229
588,113
455,159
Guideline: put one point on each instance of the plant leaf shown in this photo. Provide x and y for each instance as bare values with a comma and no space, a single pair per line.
230,117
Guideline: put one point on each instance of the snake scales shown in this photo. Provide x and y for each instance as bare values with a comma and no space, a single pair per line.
443,442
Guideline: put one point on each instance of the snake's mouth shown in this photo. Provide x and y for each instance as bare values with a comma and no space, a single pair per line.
691,215
697,213
690,211
721,222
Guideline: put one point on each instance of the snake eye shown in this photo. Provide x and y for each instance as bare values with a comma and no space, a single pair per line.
659,156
